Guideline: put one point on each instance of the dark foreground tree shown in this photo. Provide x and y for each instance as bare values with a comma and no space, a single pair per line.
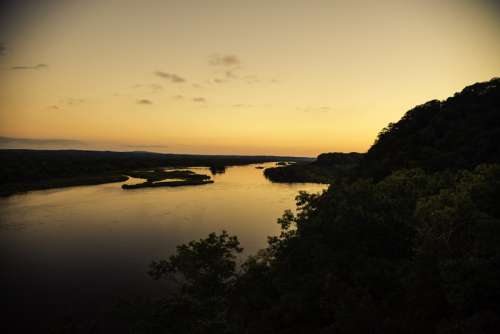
203,273
412,253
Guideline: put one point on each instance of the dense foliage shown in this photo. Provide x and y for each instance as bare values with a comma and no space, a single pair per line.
325,169
204,274
460,132
413,250
35,165
25,170
413,253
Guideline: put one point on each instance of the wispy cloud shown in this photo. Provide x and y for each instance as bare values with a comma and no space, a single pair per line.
178,97
170,76
231,74
71,101
3,49
228,68
251,79
67,102
218,80
30,67
144,102
150,87
147,146
32,142
228,60
199,99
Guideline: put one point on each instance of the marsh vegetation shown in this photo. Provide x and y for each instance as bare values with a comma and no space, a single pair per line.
25,170
176,178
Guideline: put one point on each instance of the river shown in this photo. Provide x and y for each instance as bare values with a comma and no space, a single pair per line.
70,251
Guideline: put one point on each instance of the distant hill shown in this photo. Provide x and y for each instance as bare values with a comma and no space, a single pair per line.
23,170
459,132
325,169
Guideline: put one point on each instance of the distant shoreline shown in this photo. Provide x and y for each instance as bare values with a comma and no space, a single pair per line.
27,170
23,187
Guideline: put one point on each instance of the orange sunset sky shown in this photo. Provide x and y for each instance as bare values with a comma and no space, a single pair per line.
232,77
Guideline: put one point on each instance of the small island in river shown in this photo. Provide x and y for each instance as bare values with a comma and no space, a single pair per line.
176,178
24,170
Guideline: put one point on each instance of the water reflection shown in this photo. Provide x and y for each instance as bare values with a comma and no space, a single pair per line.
95,242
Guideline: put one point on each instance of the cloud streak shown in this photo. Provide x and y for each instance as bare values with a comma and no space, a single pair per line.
151,87
31,142
227,60
228,68
199,99
218,80
170,76
146,146
145,102
30,67
73,101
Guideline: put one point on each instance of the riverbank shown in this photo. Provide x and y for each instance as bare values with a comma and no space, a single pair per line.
166,184
22,187
176,178
26,170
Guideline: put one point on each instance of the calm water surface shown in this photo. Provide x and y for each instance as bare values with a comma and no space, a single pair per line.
72,250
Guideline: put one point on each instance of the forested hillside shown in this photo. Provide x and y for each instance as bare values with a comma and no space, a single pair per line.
325,169
460,132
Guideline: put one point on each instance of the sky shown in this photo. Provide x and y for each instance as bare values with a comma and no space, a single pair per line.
232,77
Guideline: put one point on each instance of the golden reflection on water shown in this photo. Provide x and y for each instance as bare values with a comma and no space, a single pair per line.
93,242
240,201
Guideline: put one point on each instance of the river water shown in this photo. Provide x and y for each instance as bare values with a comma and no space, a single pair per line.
70,251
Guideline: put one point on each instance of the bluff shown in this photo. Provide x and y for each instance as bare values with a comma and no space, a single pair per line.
457,133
